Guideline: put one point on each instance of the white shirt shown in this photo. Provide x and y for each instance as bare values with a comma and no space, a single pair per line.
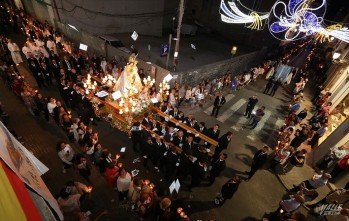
318,181
123,183
50,107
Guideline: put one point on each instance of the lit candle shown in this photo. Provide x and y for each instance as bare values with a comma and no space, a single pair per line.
126,110
179,210
120,112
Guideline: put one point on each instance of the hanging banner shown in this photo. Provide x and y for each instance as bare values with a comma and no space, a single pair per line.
22,162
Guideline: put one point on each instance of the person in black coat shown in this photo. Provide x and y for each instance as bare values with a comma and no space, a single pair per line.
185,165
218,103
171,163
136,136
259,158
268,86
275,87
147,149
228,189
189,144
223,143
212,133
179,139
39,77
252,101
218,165
202,129
198,173
299,138
46,71
55,68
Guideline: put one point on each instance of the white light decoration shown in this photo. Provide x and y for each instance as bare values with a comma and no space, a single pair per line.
288,19
296,20
236,16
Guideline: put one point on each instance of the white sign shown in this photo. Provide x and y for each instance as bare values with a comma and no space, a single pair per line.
134,36
83,47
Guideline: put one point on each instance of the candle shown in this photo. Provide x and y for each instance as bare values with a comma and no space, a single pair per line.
120,112
179,210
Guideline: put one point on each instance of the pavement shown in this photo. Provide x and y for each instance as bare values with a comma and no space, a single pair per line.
253,199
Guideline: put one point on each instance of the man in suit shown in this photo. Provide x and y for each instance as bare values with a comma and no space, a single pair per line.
32,59
67,67
171,163
157,152
54,56
218,165
56,71
213,132
189,144
185,165
145,120
179,139
45,70
147,150
202,129
174,113
155,126
198,173
223,143
136,136
218,103
39,77
252,101
259,158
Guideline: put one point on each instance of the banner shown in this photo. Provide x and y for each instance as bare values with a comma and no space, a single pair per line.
22,162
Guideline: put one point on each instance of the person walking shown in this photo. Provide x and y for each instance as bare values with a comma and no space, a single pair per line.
228,190
252,101
217,166
268,86
218,103
222,143
257,117
259,158
275,87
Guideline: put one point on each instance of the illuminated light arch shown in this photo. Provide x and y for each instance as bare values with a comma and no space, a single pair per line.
234,15
292,21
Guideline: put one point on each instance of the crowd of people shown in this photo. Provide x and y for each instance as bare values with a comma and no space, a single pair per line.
177,153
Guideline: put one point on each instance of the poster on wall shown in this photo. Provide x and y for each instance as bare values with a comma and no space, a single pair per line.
27,167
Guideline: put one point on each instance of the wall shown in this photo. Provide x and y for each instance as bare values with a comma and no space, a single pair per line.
41,10
96,45
117,16
234,65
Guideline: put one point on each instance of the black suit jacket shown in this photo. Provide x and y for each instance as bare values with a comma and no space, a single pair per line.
219,103
177,141
213,135
217,167
259,158
223,142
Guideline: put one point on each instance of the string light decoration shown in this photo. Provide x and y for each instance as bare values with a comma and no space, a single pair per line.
236,16
297,19
288,20
325,34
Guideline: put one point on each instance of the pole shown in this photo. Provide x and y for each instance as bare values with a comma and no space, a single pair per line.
180,17
169,50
